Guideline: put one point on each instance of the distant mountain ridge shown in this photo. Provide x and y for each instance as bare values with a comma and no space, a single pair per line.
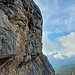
58,63
66,70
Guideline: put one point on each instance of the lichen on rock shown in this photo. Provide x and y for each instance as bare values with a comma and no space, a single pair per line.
21,39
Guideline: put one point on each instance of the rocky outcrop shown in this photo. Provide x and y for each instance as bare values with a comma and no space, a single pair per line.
21,39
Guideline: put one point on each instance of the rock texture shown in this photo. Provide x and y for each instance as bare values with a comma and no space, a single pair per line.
21,39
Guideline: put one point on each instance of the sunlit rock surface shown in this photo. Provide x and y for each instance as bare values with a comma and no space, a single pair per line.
21,39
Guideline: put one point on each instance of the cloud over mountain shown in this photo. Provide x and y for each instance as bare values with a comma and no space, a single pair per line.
58,27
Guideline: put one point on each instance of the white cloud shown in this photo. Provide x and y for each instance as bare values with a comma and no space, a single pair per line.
68,44
69,22
58,19
59,56
48,8
48,45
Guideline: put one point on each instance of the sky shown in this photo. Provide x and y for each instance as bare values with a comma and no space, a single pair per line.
58,27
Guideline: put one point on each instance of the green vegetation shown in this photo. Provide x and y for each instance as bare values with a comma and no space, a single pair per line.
73,72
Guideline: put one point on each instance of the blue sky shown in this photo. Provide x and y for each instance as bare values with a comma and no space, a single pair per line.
58,27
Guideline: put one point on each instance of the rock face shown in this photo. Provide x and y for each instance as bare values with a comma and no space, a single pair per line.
21,39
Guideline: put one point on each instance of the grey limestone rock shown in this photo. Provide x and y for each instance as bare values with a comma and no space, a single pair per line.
8,45
21,38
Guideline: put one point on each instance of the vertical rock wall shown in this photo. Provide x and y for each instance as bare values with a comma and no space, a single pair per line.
21,39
